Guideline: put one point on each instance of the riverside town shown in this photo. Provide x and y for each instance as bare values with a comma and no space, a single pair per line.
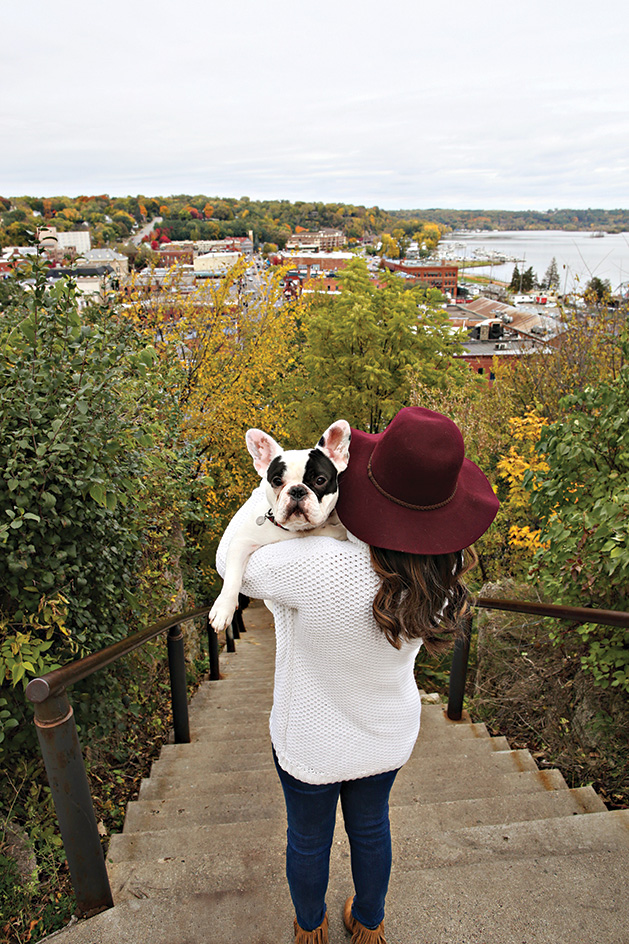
157,357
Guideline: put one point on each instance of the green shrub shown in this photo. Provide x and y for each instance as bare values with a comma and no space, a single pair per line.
582,501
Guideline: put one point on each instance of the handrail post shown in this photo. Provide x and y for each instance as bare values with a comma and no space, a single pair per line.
61,750
179,695
236,624
458,671
230,645
240,622
212,644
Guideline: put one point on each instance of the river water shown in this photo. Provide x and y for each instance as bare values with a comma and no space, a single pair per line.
579,255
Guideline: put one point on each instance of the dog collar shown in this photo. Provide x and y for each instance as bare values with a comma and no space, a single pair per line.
269,515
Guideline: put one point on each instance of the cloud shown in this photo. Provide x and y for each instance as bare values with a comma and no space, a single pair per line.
481,105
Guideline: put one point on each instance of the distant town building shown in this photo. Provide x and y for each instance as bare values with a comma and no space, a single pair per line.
324,240
118,262
497,330
170,254
55,242
215,263
93,282
10,256
523,323
199,247
313,265
243,244
444,277
480,354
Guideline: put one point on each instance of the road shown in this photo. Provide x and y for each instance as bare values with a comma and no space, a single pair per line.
144,231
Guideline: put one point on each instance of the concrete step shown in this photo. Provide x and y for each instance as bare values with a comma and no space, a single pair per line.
422,787
221,756
420,841
231,730
232,753
232,688
219,712
250,704
480,871
203,810
236,728
252,673
571,899
472,758
420,847
155,815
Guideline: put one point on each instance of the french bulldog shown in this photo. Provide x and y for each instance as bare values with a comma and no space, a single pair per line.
301,492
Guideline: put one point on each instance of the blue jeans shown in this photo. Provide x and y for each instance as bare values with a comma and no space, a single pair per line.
311,815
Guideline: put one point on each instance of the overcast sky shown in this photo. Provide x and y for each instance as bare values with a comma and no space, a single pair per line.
405,104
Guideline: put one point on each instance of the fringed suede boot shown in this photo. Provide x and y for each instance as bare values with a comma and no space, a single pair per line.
361,934
318,936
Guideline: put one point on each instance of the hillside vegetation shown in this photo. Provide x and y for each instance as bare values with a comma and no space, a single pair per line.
113,219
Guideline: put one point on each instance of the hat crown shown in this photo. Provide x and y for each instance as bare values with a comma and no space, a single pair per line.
417,459
411,489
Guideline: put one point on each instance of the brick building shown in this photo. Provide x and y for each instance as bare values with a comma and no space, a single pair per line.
313,265
170,255
443,277
481,355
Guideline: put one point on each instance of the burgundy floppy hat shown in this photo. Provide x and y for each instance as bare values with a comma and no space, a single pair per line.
410,488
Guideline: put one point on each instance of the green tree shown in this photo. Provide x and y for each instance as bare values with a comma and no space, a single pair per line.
581,499
551,282
403,241
71,443
529,279
516,280
598,290
366,347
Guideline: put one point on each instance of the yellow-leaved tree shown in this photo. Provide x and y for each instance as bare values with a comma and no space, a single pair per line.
225,348
517,466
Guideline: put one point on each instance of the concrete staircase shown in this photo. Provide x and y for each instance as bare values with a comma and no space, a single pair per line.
487,848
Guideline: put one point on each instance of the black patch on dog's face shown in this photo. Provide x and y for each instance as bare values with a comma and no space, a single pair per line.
276,472
320,474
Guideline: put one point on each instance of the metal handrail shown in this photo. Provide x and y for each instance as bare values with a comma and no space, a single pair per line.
460,656
61,750
576,614
39,689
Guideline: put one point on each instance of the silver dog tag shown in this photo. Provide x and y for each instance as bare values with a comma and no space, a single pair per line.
260,519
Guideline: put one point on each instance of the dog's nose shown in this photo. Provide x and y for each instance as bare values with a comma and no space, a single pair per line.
297,492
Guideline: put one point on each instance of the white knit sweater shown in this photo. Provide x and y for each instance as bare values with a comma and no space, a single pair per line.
345,701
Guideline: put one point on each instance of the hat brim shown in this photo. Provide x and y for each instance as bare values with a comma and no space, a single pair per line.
378,521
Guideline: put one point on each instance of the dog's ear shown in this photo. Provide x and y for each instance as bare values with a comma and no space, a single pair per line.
263,448
335,443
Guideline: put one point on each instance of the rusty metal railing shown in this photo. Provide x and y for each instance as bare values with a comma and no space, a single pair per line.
61,750
460,657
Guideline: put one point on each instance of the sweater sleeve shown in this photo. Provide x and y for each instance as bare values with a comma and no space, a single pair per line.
276,571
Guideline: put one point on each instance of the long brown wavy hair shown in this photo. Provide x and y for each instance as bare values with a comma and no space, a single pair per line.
421,596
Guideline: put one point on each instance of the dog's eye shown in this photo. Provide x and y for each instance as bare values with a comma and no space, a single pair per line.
277,481
320,480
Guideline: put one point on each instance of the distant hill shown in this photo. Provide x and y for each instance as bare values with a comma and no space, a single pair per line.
609,221
113,219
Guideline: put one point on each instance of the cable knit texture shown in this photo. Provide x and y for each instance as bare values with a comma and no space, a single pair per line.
345,702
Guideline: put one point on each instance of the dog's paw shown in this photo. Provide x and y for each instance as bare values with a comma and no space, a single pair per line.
221,614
